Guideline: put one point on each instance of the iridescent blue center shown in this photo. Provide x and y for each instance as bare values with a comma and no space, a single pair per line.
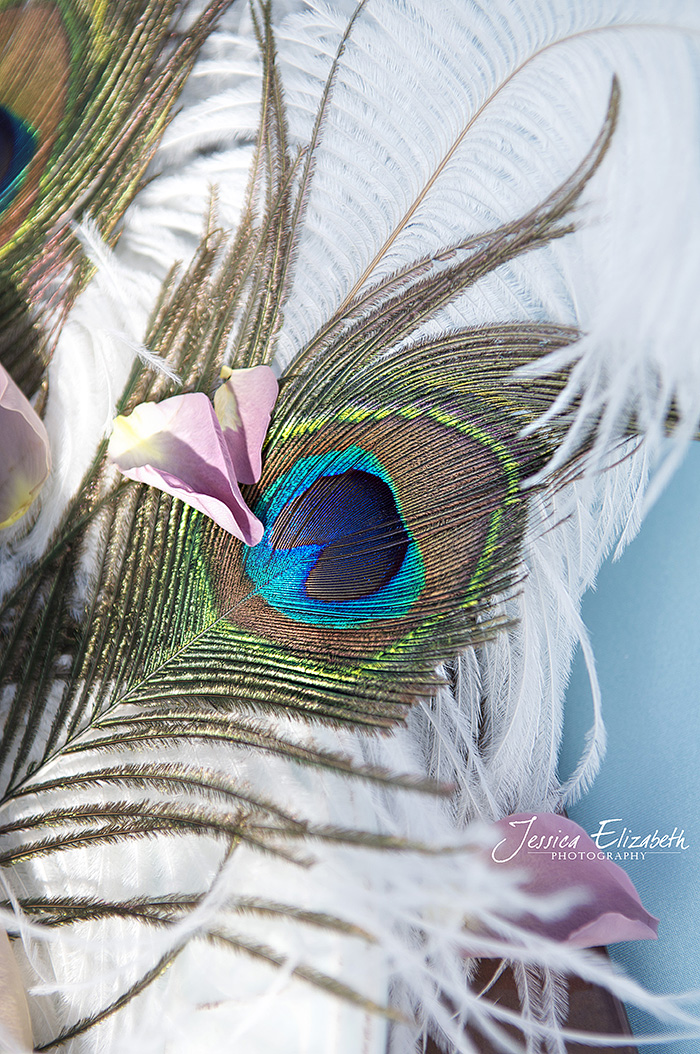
336,549
18,142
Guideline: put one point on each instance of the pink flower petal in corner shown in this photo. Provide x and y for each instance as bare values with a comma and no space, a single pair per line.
178,446
243,405
557,855
25,455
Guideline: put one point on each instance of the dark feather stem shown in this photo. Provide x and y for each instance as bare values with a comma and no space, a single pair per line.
73,715
304,973
87,1023
160,911
169,778
156,729
307,171
65,912
40,652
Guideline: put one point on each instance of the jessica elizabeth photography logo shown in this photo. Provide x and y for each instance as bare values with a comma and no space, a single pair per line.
612,841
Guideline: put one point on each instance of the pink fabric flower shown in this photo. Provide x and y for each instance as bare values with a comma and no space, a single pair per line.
557,855
25,455
199,452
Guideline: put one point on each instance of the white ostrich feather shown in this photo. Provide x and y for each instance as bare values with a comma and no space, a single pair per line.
393,181
445,119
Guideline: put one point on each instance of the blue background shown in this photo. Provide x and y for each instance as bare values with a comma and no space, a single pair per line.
644,622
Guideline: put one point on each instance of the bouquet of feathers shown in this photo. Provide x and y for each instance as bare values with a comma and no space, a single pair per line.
275,667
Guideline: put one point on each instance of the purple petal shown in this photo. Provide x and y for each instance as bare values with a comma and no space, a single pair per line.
557,855
25,455
243,405
178,446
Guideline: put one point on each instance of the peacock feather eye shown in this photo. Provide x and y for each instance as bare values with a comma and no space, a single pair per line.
18,144
384,526
337,550
353,517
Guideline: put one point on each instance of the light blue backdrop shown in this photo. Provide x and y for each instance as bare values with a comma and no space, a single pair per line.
644,621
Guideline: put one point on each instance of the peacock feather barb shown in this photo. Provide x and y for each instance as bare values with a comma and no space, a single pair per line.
148,654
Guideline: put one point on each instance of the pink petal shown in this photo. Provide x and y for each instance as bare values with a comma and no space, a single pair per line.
178,446
25,455
243,405
557,855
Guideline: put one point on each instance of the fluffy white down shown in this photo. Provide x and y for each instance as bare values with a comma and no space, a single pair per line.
512,92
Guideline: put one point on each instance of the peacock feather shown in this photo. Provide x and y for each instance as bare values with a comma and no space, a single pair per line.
86,90
148,655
